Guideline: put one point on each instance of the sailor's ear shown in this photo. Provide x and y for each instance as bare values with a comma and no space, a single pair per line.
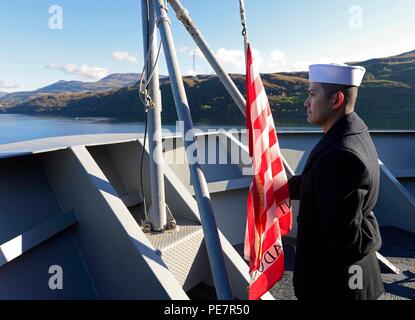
337,100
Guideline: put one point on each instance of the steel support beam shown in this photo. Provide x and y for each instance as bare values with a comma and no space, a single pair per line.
212,241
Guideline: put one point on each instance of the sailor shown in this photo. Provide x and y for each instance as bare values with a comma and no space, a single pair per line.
338,235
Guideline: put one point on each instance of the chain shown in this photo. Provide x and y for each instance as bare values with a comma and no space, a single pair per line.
243,21
145,96
146,99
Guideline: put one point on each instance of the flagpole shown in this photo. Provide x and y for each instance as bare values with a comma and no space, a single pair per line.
157,216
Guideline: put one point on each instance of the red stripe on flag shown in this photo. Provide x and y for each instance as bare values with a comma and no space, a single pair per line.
267,279
260,120
277,166
272,137
282,193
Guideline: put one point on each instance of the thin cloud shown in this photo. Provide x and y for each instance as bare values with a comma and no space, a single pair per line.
85,71
125,56
7,85
234,60
276,58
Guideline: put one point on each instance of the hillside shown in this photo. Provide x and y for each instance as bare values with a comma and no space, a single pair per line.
63,88
387,92
113,81
396,71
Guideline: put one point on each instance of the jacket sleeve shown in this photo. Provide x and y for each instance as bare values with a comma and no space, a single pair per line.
295,187
341,187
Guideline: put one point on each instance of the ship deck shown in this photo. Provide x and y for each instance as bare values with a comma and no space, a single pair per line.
63,170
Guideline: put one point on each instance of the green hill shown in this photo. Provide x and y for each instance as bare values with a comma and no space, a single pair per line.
387,92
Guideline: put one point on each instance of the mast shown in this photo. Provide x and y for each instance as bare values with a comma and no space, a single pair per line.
157,215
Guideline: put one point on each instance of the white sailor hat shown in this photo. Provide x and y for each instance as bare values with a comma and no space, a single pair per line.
337,74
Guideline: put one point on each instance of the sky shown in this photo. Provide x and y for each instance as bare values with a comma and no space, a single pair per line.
46,41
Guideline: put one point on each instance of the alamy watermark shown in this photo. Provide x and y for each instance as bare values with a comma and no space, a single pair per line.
356,277
356,17
56,280
56,17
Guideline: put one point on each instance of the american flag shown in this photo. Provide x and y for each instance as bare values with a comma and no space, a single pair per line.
269,206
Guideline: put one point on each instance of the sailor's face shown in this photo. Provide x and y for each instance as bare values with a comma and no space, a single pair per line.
318,105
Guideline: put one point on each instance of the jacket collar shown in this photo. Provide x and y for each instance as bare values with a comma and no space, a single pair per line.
350,124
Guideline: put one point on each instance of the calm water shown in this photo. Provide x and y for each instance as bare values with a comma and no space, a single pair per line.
14,128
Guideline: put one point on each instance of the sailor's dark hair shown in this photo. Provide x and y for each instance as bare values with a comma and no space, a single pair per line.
350,92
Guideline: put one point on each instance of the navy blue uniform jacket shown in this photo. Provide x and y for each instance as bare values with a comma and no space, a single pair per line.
336,227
